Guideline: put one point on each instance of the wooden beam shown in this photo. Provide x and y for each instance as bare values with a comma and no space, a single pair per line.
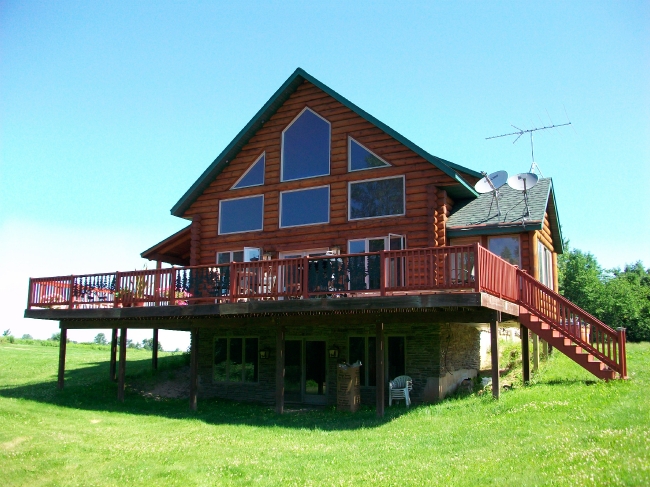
544,349
154,349
63,341
379,353
194,368
494,353
535,353
279,369
525,354
474,315
113,364
121,374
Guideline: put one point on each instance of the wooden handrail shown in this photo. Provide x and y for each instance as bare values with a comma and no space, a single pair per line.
605,343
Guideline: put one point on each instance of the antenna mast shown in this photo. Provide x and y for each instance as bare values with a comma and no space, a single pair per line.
521,132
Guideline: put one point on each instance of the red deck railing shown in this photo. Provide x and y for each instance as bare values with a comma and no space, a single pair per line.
469,268
594,336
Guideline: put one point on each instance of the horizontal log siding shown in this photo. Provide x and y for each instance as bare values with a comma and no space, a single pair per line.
420,174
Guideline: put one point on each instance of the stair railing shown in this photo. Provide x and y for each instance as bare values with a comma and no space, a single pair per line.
603,342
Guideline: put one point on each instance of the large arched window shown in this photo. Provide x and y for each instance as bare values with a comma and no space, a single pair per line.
306,147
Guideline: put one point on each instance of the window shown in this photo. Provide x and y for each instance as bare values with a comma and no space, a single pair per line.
249,254
396,357
364,349
254,175
507,248
545,265
236,360
306,147
374,198
360,158
240,215
365,271
305,207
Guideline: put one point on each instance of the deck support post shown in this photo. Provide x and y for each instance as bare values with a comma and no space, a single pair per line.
494,355
121,374
279,369
154,349
535,353
525,354
112,373
544,349
194,368
63,340
379,353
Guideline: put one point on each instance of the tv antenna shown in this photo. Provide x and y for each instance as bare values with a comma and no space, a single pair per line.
521,132
491,184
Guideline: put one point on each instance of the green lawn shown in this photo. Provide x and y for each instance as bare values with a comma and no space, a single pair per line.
563,429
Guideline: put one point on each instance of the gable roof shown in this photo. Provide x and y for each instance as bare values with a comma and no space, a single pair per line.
459,190
480,216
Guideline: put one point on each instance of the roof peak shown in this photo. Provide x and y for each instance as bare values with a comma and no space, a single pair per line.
461,189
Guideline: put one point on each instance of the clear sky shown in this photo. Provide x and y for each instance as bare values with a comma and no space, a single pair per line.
111,110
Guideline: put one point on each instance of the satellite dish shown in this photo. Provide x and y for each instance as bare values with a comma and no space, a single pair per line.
497,179
523,181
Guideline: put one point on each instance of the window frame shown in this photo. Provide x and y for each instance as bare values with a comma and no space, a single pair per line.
545,265
329,147
350,139
263,154
329,203
257,358
350,183
219,232
365,380
243,251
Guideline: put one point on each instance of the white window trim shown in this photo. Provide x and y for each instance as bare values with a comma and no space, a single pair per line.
263,154
241,198
350,139
329,199
329,148
350,183
242,250
510,235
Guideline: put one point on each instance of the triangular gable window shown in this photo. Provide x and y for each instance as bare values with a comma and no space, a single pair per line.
254,175
361,158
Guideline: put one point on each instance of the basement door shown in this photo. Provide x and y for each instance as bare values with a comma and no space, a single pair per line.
305,371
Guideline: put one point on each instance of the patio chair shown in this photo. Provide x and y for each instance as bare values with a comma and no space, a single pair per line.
399,388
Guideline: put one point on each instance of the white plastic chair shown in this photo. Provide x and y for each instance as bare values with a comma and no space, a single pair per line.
399,388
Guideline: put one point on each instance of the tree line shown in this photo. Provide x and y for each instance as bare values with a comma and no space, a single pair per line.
617,297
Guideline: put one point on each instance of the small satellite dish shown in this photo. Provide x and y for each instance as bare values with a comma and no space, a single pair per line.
497,179
523,181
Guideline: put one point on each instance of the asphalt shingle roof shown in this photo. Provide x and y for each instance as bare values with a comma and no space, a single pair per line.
480,216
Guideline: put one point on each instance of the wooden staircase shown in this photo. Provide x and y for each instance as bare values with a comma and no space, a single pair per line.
565,344
578,335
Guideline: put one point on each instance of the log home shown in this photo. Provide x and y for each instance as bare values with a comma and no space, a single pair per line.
320,235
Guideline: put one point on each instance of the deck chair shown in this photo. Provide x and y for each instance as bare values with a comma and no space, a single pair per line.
399,388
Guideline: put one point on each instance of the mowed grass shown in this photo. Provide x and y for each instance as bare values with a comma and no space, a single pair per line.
563,429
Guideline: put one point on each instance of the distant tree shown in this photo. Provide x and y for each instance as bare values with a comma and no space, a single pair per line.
147,344
619,298
56,337
100,339
6,333
131,344
27,336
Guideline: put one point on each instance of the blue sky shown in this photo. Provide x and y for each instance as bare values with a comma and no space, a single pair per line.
110,111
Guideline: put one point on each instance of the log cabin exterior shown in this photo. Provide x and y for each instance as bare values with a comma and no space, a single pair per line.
320,235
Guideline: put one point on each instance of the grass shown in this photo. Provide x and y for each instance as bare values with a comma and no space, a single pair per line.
565,428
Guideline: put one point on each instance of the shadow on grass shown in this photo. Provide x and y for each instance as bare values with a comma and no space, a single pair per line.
89,388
